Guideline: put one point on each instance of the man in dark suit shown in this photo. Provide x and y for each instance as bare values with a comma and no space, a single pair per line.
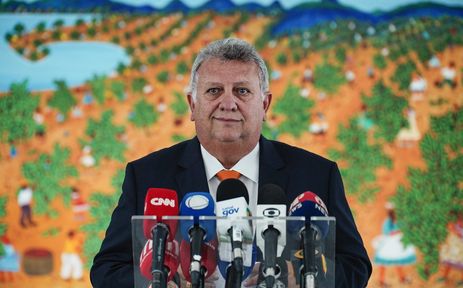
229,97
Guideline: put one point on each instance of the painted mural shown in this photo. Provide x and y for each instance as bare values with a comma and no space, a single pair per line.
86,86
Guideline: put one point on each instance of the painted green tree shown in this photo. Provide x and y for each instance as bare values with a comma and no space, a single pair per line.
47,176
435,194
3,225
144,114
296,110
163,76
62,98
360,161
16,111
138,84
379,61
97,84
340,54
102,205
104,138
179,106
328,77
181,68
118,89
383,99
403,74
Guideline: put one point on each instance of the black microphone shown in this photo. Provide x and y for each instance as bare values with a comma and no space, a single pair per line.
271,233
308,204
232,201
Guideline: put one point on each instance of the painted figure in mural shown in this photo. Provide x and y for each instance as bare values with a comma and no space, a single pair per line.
71,264
451,252
363,121
448,74
320,125
79,205
9,260
87,159
390,251
229,97
417,87
25,196
409,136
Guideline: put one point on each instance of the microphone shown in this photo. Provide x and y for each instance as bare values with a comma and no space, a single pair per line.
160,202
170,259
308,204
232,201
224,266
196,231
208,259
271,233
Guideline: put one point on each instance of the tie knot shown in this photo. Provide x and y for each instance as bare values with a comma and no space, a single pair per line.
228,174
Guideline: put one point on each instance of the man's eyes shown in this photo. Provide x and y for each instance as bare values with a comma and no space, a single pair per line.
240,91
213,91
243,91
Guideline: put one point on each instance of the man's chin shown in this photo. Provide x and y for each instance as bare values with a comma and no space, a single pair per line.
229,138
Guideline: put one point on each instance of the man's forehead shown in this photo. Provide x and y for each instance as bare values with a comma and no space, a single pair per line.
235,83
215,70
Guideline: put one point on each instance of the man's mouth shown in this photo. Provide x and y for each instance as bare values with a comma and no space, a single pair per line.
227,120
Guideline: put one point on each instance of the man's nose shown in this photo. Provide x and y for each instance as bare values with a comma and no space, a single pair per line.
228,102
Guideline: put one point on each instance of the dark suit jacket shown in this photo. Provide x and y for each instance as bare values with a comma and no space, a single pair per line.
181,168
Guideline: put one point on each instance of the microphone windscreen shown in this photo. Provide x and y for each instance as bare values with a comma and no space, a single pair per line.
208,258
170,259
271,194
160,202
230,189
308,204
197,204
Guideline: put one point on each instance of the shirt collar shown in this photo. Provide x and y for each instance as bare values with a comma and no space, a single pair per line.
248,166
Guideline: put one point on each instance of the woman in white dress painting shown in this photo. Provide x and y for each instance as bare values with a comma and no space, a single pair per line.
390,251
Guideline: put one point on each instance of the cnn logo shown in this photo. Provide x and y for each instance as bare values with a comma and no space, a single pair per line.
162,202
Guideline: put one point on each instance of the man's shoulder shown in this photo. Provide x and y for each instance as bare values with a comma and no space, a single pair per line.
168,154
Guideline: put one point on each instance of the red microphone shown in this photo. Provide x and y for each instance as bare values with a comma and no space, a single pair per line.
208,258
170,259
160,202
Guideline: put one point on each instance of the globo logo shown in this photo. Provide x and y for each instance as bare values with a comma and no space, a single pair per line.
163,202
197,202
271,212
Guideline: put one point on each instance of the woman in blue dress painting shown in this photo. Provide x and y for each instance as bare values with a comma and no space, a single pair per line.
9,260
390,251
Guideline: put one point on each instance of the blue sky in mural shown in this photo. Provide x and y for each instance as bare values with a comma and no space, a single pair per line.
363,5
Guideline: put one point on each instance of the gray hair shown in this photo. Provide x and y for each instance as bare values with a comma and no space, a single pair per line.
229,49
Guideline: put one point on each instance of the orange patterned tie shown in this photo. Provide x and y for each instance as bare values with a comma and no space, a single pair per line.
228,174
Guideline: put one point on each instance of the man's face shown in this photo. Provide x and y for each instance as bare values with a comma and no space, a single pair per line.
229,104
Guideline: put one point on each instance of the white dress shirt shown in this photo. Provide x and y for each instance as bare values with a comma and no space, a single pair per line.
248,166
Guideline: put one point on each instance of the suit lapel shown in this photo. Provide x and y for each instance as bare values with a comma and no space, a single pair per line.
271,166
192,176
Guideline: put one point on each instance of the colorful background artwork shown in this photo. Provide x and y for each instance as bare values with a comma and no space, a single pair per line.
86,86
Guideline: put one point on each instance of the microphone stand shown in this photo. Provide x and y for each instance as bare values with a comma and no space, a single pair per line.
197,235
202,276
271,242
159,248
309,272
235,271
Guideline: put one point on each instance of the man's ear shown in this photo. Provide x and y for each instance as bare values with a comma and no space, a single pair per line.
266,103
191,103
